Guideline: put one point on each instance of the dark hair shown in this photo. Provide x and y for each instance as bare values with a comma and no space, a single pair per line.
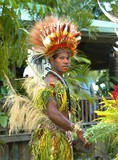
59,51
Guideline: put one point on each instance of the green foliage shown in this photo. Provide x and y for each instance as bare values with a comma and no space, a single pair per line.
78,11
3,119
104,133
115,9
56,90
46,138
13,36
80,73
3,91
105,83
11,41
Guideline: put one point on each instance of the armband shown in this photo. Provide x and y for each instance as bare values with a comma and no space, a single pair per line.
76,127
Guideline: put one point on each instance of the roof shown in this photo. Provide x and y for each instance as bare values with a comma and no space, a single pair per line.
100,49
105,26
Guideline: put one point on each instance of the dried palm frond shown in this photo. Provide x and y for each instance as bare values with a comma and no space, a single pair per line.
33,85
22,115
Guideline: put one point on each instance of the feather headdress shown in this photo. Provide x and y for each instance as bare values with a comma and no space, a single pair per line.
52,34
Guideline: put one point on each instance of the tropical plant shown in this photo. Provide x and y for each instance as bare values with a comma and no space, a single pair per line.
107,128
106,79
13,31
105,83
81,74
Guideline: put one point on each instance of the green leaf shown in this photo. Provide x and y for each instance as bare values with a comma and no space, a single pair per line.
3,119
13,4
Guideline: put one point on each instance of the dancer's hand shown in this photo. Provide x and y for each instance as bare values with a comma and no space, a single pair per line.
80,135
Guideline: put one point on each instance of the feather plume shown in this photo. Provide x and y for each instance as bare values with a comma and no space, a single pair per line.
51,32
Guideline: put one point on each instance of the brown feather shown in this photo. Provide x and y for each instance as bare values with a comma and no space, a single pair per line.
53,31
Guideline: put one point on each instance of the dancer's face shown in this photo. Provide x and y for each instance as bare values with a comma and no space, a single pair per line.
60,63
